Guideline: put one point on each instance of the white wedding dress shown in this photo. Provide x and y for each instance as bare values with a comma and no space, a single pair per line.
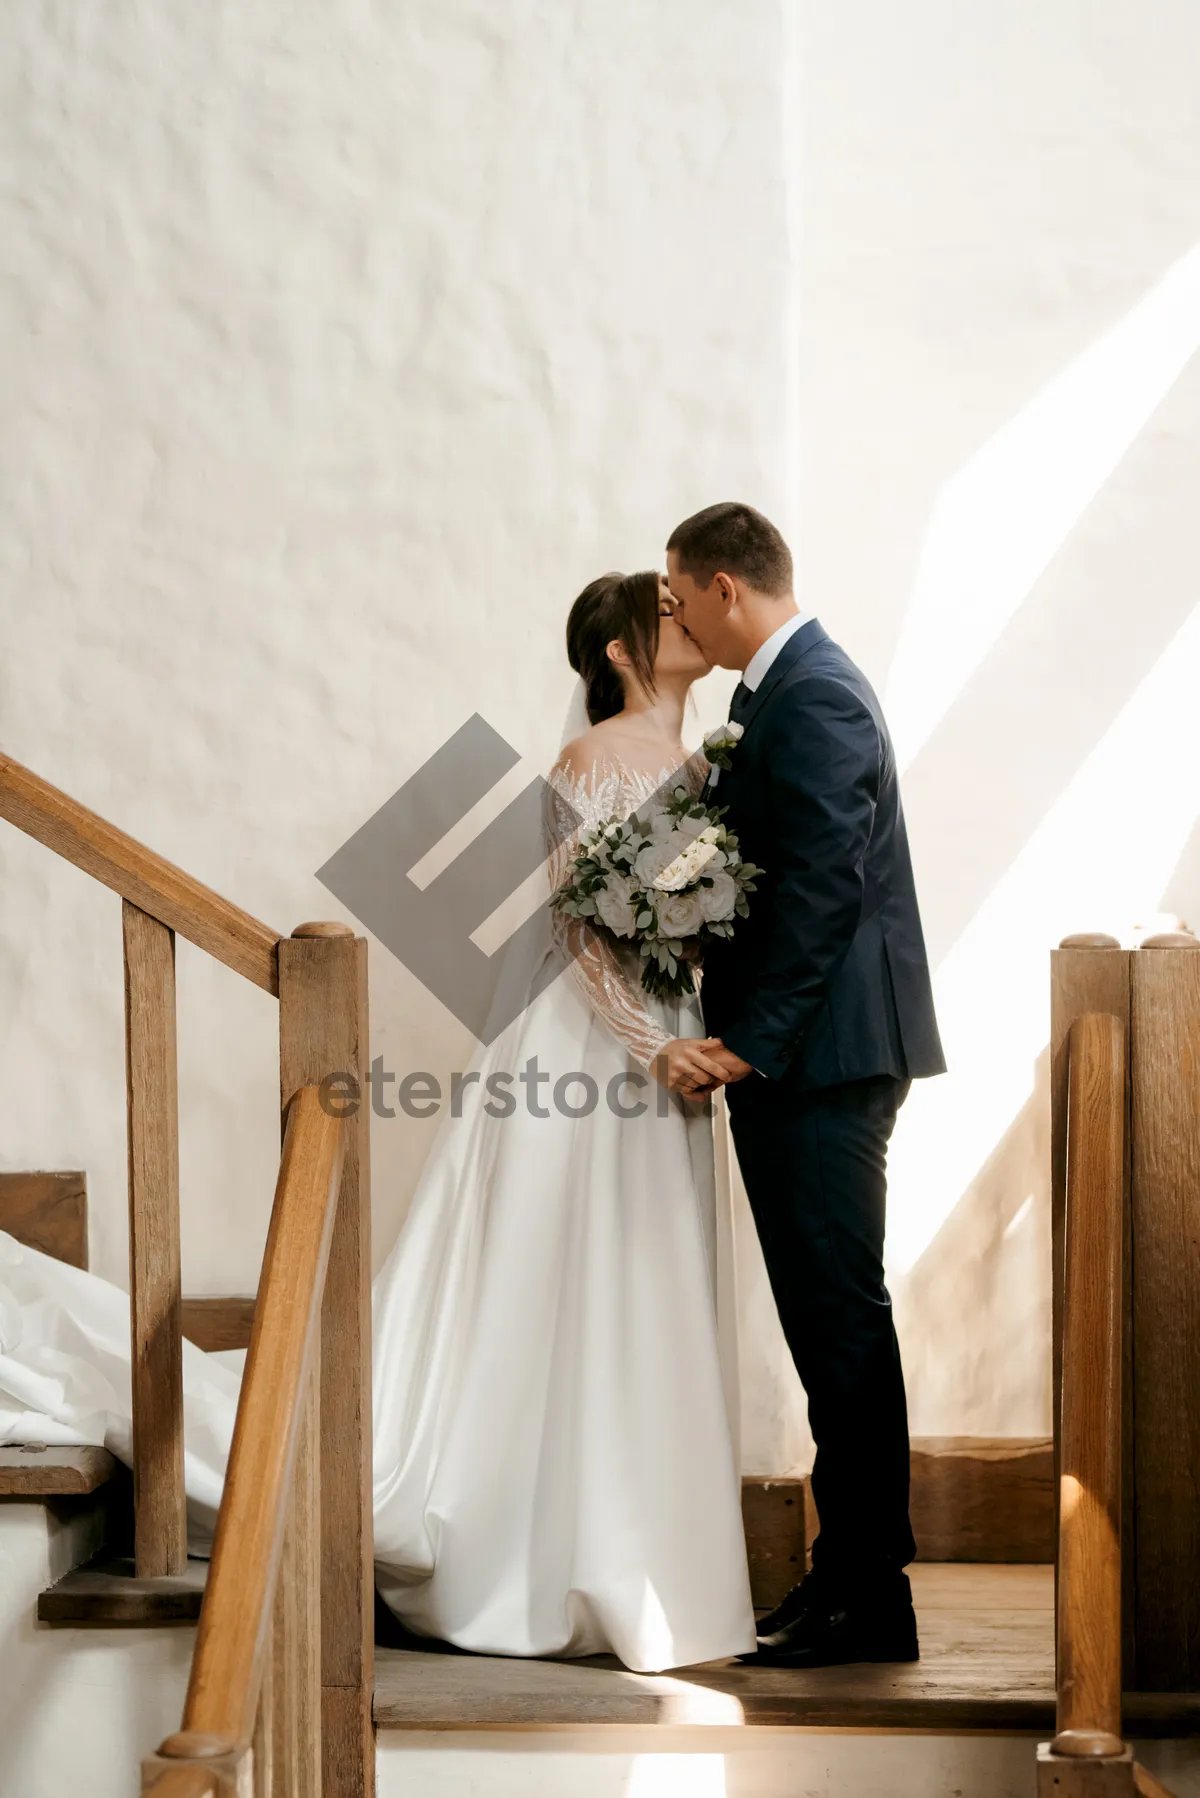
555,1374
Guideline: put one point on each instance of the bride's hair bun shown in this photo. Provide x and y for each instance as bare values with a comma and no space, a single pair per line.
616,606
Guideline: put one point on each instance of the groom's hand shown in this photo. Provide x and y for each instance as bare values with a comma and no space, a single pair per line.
688,1066
732,1066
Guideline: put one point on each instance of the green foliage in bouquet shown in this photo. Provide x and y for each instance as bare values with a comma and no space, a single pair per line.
669,878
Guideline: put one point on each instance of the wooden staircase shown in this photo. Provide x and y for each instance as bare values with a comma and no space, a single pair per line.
283,1672
285,1696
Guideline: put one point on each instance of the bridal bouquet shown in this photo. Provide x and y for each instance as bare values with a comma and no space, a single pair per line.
669,878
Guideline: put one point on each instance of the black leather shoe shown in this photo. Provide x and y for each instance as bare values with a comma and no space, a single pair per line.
826,1631
801,1596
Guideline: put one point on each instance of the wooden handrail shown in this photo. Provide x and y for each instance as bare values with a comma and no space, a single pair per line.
147,880
234,1624
1089,1559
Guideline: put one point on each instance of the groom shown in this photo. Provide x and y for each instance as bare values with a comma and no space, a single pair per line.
822,1014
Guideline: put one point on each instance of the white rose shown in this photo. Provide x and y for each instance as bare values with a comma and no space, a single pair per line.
718,900
735,730
694,829
650,861
686,867
680,914
614,907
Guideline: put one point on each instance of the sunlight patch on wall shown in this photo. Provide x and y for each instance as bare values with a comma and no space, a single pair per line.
998,522
1098,861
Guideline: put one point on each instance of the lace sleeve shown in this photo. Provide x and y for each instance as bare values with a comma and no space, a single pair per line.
612,990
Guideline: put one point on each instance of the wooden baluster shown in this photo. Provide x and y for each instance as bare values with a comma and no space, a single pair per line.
282,1651
308,1600
160,1529
264,1732
1087,1756
297,1622
324,1038
1166,1298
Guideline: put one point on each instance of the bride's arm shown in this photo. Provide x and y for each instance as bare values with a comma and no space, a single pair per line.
594,966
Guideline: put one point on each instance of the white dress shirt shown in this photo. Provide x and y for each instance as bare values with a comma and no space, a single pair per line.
766,652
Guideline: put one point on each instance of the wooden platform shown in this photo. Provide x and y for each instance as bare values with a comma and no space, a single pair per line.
107,1591
38,1471
987,1663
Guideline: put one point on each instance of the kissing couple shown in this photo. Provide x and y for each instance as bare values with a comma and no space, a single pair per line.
555,1380
556,1464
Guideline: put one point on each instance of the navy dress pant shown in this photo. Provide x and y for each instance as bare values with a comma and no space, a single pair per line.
815,1169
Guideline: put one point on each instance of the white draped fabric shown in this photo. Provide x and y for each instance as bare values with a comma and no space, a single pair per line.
64,1375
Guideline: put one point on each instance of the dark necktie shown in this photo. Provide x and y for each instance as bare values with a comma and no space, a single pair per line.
741,699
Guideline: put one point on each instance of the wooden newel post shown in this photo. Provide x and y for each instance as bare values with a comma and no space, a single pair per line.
324,1041
155,1296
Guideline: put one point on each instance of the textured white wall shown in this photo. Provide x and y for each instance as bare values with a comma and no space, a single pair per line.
1000,457
339,348
78,1707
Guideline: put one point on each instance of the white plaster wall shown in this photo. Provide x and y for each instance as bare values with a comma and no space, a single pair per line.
78,1707
338,348
1000,451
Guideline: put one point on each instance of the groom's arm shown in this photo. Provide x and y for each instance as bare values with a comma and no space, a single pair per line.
822,774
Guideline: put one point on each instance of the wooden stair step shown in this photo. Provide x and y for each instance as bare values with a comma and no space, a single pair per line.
107,1590
40,1470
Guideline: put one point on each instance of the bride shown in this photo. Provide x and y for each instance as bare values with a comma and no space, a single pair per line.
555,1464
554,1469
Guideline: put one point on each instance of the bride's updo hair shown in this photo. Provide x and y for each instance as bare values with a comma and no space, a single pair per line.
624,606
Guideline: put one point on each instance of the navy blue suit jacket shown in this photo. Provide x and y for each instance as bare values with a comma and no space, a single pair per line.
827,980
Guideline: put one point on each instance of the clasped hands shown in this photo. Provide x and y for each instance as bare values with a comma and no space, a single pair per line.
696,1066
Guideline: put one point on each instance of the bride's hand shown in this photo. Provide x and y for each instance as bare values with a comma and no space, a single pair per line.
685,1067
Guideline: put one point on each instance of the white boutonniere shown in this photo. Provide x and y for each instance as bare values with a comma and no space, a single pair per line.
719,744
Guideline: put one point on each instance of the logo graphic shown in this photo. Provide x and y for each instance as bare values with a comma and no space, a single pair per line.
430,929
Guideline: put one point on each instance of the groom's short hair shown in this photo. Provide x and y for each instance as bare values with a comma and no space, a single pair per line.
732,538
